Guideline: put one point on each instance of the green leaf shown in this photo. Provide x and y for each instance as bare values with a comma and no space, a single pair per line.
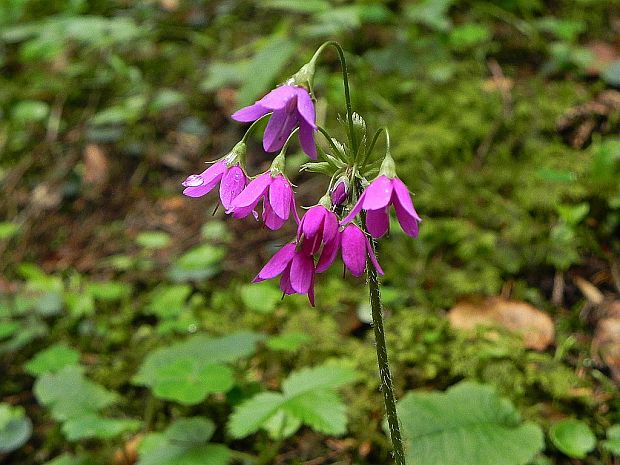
612,444
307,396
94,426
28,111
109,290
468,424
15,428
184,442
69,394
189,382
52,359
261,297
68,459
295,6
153,239
169,301
8,230
200,263
281,425
288,342
8,328
573,437
611,73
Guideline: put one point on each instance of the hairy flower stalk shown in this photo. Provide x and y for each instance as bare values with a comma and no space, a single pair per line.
347,219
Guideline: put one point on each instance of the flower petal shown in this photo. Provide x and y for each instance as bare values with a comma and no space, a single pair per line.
210,177
330,226
253,192
285,281
279,127
280,194
305,106
356,209
312,221
328,255
306,139
311,292
404,198
233,183
373,257
408,222
354,249
378,194
377,222
278,98
249,114
271,220
302,271
277,264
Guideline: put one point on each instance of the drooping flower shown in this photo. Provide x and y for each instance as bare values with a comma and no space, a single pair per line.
319,226
291,107
376,200
296,269
232,181
277,196
355,247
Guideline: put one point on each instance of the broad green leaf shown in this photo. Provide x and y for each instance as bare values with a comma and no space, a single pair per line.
69,459
52,359
261,297
572,437
201,262
29,111
184,442
288,342
165,98
169,301
322,410
15,428
153,239
251,414
8,328
109,290
94,426
281,425
69,394
468,424
295,6
612,443
189,382
321,377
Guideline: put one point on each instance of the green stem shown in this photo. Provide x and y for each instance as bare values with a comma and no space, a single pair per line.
330,140
387,387
253,127
345,80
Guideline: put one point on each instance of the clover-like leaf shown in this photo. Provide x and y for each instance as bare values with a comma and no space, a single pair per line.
69,394
308,397
184,442
468,424
573,437
52,359
95,426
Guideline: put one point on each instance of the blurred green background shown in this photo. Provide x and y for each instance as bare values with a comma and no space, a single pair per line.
129,332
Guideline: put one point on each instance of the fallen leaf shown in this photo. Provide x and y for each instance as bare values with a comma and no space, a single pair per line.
533,325
95,166
606,345
590,291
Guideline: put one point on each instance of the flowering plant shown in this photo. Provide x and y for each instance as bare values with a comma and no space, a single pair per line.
346,219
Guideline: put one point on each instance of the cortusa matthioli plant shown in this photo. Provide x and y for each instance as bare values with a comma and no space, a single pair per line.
347,219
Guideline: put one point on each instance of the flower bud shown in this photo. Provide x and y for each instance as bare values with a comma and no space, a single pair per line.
340,192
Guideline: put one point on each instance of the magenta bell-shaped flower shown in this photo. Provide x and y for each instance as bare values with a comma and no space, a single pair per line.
317,227
278,200
355,247
296,268
291,107
232,181
376,200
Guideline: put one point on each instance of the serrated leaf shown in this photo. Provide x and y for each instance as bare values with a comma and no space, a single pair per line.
281,425
323,411
468,424
573,437
184,442
321,377
251,414
52,359
94,426
69,394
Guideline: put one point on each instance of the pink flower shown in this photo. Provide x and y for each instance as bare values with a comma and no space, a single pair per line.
318,226
355,248
296,269
339,193
232,181
376,200
291,107
277,196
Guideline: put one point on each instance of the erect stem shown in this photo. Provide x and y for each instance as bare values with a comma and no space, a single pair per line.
345,80
387,386
253,127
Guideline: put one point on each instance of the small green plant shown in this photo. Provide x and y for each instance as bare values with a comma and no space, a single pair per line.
573,437
15,428
308,397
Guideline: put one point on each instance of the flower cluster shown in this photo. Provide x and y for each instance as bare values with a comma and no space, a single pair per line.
347,217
